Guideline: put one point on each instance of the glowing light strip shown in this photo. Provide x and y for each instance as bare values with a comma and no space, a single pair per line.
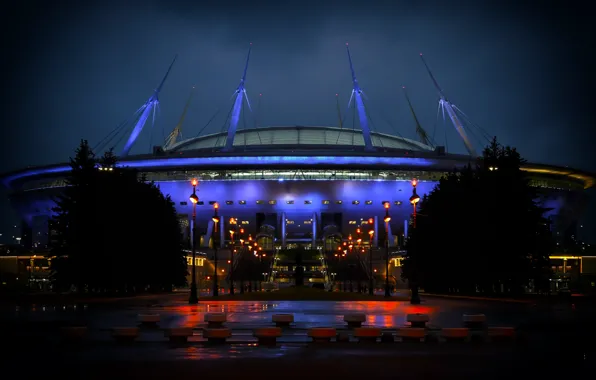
588,180
247,160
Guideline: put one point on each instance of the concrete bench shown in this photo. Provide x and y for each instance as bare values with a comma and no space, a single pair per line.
501,334
215,320
367,334
417,320
217,335
178,334
322,334
354,320
267,335
73,334
412,334
455,334
125,334
282,320
474,321
148,320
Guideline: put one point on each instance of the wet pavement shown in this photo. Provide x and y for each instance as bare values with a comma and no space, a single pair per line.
152,356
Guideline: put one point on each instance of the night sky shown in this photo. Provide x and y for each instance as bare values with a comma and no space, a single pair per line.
522,72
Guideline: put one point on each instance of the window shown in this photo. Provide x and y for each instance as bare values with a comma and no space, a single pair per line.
352,222
308,222
245,222
242,202
368,202
229,202
290,202
183,203
200,203
212,202
355,202
307,202
397,203
364,222
272,202
289,221
260,202
338,202
326,202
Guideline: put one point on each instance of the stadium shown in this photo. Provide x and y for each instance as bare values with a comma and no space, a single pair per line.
316,187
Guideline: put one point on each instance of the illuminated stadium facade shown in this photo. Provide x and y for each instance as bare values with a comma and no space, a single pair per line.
295,186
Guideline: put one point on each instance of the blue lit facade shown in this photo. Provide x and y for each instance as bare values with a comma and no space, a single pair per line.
304,191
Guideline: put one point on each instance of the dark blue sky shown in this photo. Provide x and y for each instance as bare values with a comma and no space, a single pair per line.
522,72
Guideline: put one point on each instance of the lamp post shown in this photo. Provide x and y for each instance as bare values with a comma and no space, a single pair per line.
194,199
387,219
215,219
233,222
371,283
239,257
414,199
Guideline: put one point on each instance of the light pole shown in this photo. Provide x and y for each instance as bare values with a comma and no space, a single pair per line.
194,199
233,222
241,253
215,219
387,219
414,199
371,283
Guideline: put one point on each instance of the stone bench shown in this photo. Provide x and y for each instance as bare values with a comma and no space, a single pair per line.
125,334
215,320
367,334
455,334
412,334
474,321
148,320
217,335
322,334
267,335
73,334
354,320
282,320
418,320
501,334
178,334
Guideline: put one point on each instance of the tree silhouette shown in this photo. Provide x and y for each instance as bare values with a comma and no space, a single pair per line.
480,229
115,231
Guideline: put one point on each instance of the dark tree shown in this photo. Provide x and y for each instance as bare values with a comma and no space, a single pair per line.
480,229
116,232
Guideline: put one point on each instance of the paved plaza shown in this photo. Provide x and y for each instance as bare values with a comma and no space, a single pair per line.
151,355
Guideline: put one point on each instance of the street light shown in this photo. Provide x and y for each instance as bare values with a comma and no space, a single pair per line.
194,199
215,220
370,262
414,199
387,219
232,250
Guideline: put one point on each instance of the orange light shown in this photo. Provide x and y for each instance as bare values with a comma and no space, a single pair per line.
345,243
386,205
232,221
339,248
194,182
371,232
241,241
358,230
194,199
232,232
414,182
371,220
336,255
249,238
375,271
350,237
242,230
387,219
223,270
208,277
359,241
256,244
229,262
215,219
216,205
264,254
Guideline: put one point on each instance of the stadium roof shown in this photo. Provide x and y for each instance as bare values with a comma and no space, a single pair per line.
299,137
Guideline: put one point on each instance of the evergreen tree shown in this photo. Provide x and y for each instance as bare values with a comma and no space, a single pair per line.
480,230
116,232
